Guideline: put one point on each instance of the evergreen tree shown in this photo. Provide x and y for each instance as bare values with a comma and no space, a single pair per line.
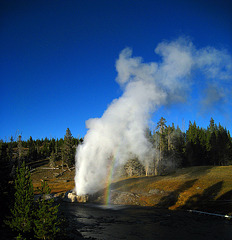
32,152
22,213
57,146
45,151
176,143
194,139
3,152
134,168
211,143
46,219
68,150
162,143
5,188
52,159
212,127
223,146
26,216
19,151
10,150
52,145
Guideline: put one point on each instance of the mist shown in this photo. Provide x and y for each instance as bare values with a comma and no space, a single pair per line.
120,134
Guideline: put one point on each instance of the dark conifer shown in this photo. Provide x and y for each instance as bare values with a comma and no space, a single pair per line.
46,219
19,152
68,149
21,219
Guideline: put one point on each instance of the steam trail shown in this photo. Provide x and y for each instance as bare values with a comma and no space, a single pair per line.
120,132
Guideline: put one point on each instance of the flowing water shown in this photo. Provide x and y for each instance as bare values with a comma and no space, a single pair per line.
131,222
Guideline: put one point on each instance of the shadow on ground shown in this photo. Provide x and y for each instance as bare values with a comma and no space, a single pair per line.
172,198
142,191
208,200
39,163
193,172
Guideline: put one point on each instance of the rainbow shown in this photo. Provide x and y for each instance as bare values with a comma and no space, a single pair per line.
108,182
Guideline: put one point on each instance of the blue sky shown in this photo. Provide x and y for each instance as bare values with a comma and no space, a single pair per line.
58,58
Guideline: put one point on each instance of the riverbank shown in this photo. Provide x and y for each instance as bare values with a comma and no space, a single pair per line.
94,221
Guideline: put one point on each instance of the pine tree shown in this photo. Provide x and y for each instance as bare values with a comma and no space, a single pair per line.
46,219
68,150
223,146
45,151
52,159
32,152
176,143
22,214
10,150
134,168
19,151
5,187
162,136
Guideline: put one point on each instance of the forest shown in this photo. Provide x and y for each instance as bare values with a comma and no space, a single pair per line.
176,149
16,151
195,147
173,149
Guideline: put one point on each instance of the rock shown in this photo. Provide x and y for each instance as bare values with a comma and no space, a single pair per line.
154,191
48,196
45,197
59,195
71,196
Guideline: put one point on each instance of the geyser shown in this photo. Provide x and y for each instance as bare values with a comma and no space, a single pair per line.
120,134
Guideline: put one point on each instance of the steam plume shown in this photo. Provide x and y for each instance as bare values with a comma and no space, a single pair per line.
120,133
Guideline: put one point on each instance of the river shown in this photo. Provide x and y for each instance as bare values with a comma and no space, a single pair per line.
131,222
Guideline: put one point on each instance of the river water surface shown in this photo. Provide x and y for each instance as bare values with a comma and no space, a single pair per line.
130,222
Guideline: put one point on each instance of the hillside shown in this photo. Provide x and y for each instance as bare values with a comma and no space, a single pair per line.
58,180
207,188
203,188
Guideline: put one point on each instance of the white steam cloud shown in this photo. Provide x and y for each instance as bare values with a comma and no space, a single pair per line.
121,131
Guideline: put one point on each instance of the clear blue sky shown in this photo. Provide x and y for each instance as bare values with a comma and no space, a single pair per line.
58,58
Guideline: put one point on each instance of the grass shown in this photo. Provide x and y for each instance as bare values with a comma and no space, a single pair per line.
207,188
59,180
203,188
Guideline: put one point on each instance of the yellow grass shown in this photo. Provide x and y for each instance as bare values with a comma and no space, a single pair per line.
206,187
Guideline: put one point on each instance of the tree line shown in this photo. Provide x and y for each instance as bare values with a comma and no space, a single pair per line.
16,151
174,148
195,147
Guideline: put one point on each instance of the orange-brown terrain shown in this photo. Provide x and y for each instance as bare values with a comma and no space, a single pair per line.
59,180
203,188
